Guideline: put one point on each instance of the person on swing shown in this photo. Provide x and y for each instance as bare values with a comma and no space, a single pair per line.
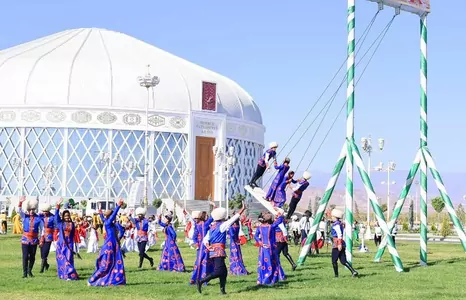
263,163
298,190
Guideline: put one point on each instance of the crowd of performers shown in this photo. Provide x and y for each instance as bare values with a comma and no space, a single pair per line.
61,232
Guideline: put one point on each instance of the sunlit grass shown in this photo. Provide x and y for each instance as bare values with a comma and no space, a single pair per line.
443,279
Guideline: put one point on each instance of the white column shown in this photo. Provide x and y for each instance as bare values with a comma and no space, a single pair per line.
191,157
21,166
64,163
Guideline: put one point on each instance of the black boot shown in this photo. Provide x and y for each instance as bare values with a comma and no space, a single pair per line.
141,259
223,283
199,286
335,269
290,259
31,264
151,261
42,266
47,266
354,273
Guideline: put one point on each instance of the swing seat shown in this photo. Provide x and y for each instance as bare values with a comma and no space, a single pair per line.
259,195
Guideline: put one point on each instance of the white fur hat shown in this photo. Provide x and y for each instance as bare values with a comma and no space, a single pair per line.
219,213
141,211
44,207
195,214
294,217
337,213
273,145
280,211
32,204
307,175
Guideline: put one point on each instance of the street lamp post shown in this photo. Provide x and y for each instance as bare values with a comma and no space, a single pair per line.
148,81
390,168
366,143
130,166
187,184
230,161
48,174
20,163
226,160
106,159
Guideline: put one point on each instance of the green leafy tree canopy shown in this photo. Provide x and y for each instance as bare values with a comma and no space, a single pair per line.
437,204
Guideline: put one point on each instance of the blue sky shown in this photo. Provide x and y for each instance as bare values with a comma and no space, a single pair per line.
285,54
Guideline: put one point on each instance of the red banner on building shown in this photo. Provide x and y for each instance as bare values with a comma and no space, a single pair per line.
209,96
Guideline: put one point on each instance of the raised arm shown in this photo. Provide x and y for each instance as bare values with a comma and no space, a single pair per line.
20,207
257,236
208,222
114,214
277,222
226,225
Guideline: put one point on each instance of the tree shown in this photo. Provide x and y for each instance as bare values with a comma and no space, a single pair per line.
461,213
411,215
356,211
438,205
157,203
384,207
237,201
316,204
446,229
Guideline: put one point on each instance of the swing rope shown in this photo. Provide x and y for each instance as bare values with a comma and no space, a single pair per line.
380,38
328,104
364,35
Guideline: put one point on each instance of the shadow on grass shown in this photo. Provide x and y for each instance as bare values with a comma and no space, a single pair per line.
254,288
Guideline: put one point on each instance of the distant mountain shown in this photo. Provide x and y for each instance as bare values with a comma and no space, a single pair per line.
454,183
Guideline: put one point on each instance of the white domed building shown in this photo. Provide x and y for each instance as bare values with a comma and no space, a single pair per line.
73,120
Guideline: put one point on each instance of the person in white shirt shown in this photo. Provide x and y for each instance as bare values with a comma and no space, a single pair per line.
295,229
305,224
394,231
377,234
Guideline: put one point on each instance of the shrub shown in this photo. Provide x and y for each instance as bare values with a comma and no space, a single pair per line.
445,230
157,203
405,226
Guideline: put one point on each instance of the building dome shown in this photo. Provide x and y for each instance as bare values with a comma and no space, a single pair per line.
74,122
97,69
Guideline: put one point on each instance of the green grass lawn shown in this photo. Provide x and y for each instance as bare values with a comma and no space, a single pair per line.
444,278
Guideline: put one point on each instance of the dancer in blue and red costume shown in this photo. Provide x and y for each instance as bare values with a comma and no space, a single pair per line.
47,228
263,163
268,267
170,259
215,241
298,190
338,249
281,239
142,228
30,238
203,265
110,268
279,178
280,195
65,245
236,257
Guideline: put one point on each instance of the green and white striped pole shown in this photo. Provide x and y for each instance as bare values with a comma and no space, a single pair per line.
423,142
350,69
399,203
376,207
323,205
443,192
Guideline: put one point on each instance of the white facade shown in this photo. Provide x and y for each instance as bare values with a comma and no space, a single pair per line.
72,101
